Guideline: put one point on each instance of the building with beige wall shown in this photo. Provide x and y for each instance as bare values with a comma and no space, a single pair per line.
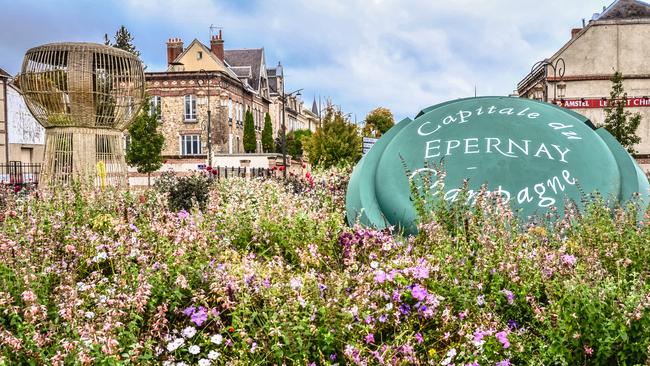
578,75
231,81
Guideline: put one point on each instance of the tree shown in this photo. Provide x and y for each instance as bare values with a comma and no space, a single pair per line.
250,142
144,150
295,141
123,41
620,123
267,134
378,121
336,142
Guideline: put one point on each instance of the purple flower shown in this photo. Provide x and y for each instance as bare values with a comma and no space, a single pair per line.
512,324
505,362
503,338
189,311
133,227
182,214
200,316
419,292
333,356
419,338
509,295
383,318
473,364
370,338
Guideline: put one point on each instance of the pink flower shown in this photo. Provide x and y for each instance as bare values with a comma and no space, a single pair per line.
509,295
503,338
380,276
588,351
370,338
568,260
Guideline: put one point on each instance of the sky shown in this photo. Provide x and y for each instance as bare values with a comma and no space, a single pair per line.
405,55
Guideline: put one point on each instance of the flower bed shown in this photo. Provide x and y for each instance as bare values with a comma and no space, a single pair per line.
268,273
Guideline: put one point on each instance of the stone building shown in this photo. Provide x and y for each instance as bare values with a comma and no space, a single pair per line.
614,40
231,81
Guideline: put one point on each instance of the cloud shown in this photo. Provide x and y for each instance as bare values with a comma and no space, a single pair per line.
404,55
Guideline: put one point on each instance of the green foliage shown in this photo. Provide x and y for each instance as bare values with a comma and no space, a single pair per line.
335,143
620,123
267,135
122,40
184,192
378,121
146,143
250,142
269,273
295,140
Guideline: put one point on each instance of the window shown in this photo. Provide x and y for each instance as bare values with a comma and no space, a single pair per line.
190,145
190,108
199,55
230,111
154,106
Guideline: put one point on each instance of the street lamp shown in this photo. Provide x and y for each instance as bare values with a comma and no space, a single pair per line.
207,77
558,70
284,127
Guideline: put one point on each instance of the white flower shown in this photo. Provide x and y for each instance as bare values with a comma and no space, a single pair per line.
194,349
216,339
81,286
295,283
204,362
374,264
213,355
173,345
167,363
102,298
189,332
89,314
389,306
181,363
450,356
100,257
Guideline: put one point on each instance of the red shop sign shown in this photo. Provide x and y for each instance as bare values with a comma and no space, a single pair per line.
600,103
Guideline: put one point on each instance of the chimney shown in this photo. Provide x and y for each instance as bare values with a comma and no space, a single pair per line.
575,31
174,48
216,46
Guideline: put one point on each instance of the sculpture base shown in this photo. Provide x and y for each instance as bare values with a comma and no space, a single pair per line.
91,156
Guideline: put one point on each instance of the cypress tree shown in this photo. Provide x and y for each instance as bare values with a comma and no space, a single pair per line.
267,135
250,142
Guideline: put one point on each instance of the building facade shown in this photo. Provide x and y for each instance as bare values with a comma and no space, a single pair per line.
4,151
578,75
230,82
22,138
26,136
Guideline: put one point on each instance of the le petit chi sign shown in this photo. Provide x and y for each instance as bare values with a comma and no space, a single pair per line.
534,155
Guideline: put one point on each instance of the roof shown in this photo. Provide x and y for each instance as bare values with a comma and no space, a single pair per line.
206,51
4,73
242,71
247,57
626,9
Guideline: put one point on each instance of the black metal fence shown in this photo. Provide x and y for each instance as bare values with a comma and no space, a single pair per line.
242,172
17,173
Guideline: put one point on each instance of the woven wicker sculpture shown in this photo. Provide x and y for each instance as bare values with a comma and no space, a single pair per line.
85,95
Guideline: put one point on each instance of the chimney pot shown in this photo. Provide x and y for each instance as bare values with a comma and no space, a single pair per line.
216,46
174,48
575,31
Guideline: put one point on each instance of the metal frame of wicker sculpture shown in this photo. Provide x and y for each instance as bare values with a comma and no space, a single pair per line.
85,95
